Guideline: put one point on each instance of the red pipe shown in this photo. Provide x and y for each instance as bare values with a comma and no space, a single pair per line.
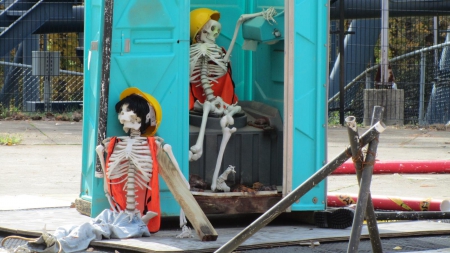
391,203
411,167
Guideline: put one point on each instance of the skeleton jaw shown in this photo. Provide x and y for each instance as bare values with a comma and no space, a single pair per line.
131,126
129,119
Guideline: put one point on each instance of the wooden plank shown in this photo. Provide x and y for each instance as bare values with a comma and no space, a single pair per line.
105,78
31,222
184,197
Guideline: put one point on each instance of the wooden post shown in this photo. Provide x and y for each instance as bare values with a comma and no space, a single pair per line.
184,197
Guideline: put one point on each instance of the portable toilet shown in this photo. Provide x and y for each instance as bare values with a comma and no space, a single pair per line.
286,74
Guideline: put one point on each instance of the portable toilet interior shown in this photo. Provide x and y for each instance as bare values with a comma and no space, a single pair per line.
283,80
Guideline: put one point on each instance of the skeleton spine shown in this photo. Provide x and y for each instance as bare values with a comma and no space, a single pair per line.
131,196
205,82
131,190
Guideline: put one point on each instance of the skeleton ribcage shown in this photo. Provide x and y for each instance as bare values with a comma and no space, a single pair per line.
212,55
130,164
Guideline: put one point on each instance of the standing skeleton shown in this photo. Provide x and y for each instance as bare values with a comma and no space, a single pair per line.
131,162
208,63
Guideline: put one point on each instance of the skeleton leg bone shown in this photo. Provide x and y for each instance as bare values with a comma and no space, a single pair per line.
196,151
221,185
226,137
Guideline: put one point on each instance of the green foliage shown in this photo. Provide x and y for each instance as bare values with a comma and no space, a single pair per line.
10,139
333,118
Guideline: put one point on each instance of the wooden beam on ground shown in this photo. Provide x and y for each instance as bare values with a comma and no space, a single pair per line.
184,197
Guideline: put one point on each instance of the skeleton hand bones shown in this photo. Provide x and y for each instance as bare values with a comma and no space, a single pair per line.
267,14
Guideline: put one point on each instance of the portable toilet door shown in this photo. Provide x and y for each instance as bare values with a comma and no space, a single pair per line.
150,51
305,99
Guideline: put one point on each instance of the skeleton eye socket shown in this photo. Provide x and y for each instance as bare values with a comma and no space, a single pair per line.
213,28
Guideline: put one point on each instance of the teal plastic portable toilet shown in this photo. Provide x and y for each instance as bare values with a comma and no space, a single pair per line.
150,50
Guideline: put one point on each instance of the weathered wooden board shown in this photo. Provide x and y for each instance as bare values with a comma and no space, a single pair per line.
177,186
31,222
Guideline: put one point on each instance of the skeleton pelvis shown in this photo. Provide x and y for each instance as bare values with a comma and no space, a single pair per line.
195,119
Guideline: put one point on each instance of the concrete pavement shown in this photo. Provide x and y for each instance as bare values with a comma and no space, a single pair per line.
44,170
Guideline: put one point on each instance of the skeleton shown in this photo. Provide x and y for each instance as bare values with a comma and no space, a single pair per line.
207,64
132,161
221,185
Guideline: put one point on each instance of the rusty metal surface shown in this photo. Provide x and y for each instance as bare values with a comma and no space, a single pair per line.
237,204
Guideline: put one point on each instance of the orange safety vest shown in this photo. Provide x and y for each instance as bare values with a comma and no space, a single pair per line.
224,88
147,199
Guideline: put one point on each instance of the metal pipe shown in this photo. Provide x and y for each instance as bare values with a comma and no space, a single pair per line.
298,192
391,202
422,89
341,63
364,191
384,42
405,167
29,66
435,41
358,157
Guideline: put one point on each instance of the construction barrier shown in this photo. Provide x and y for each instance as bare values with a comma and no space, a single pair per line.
406,167
391,203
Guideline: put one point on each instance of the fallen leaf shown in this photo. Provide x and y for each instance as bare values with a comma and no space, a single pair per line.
397,248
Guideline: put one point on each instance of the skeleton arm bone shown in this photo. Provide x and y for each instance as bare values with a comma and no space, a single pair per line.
197,150
267,14
100,151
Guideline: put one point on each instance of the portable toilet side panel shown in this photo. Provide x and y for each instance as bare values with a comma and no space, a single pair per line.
305,98
150,51
91,188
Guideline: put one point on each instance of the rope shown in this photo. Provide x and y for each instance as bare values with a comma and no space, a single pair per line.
26,239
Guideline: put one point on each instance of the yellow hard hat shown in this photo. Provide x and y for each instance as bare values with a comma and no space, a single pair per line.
199,17
151,130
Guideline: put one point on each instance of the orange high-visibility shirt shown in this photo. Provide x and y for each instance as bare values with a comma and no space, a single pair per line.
147,199
224,88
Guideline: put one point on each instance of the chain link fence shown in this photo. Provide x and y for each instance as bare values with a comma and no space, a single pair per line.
418,90
41,66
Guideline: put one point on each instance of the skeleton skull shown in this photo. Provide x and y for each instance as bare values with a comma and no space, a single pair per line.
129,119
210,32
